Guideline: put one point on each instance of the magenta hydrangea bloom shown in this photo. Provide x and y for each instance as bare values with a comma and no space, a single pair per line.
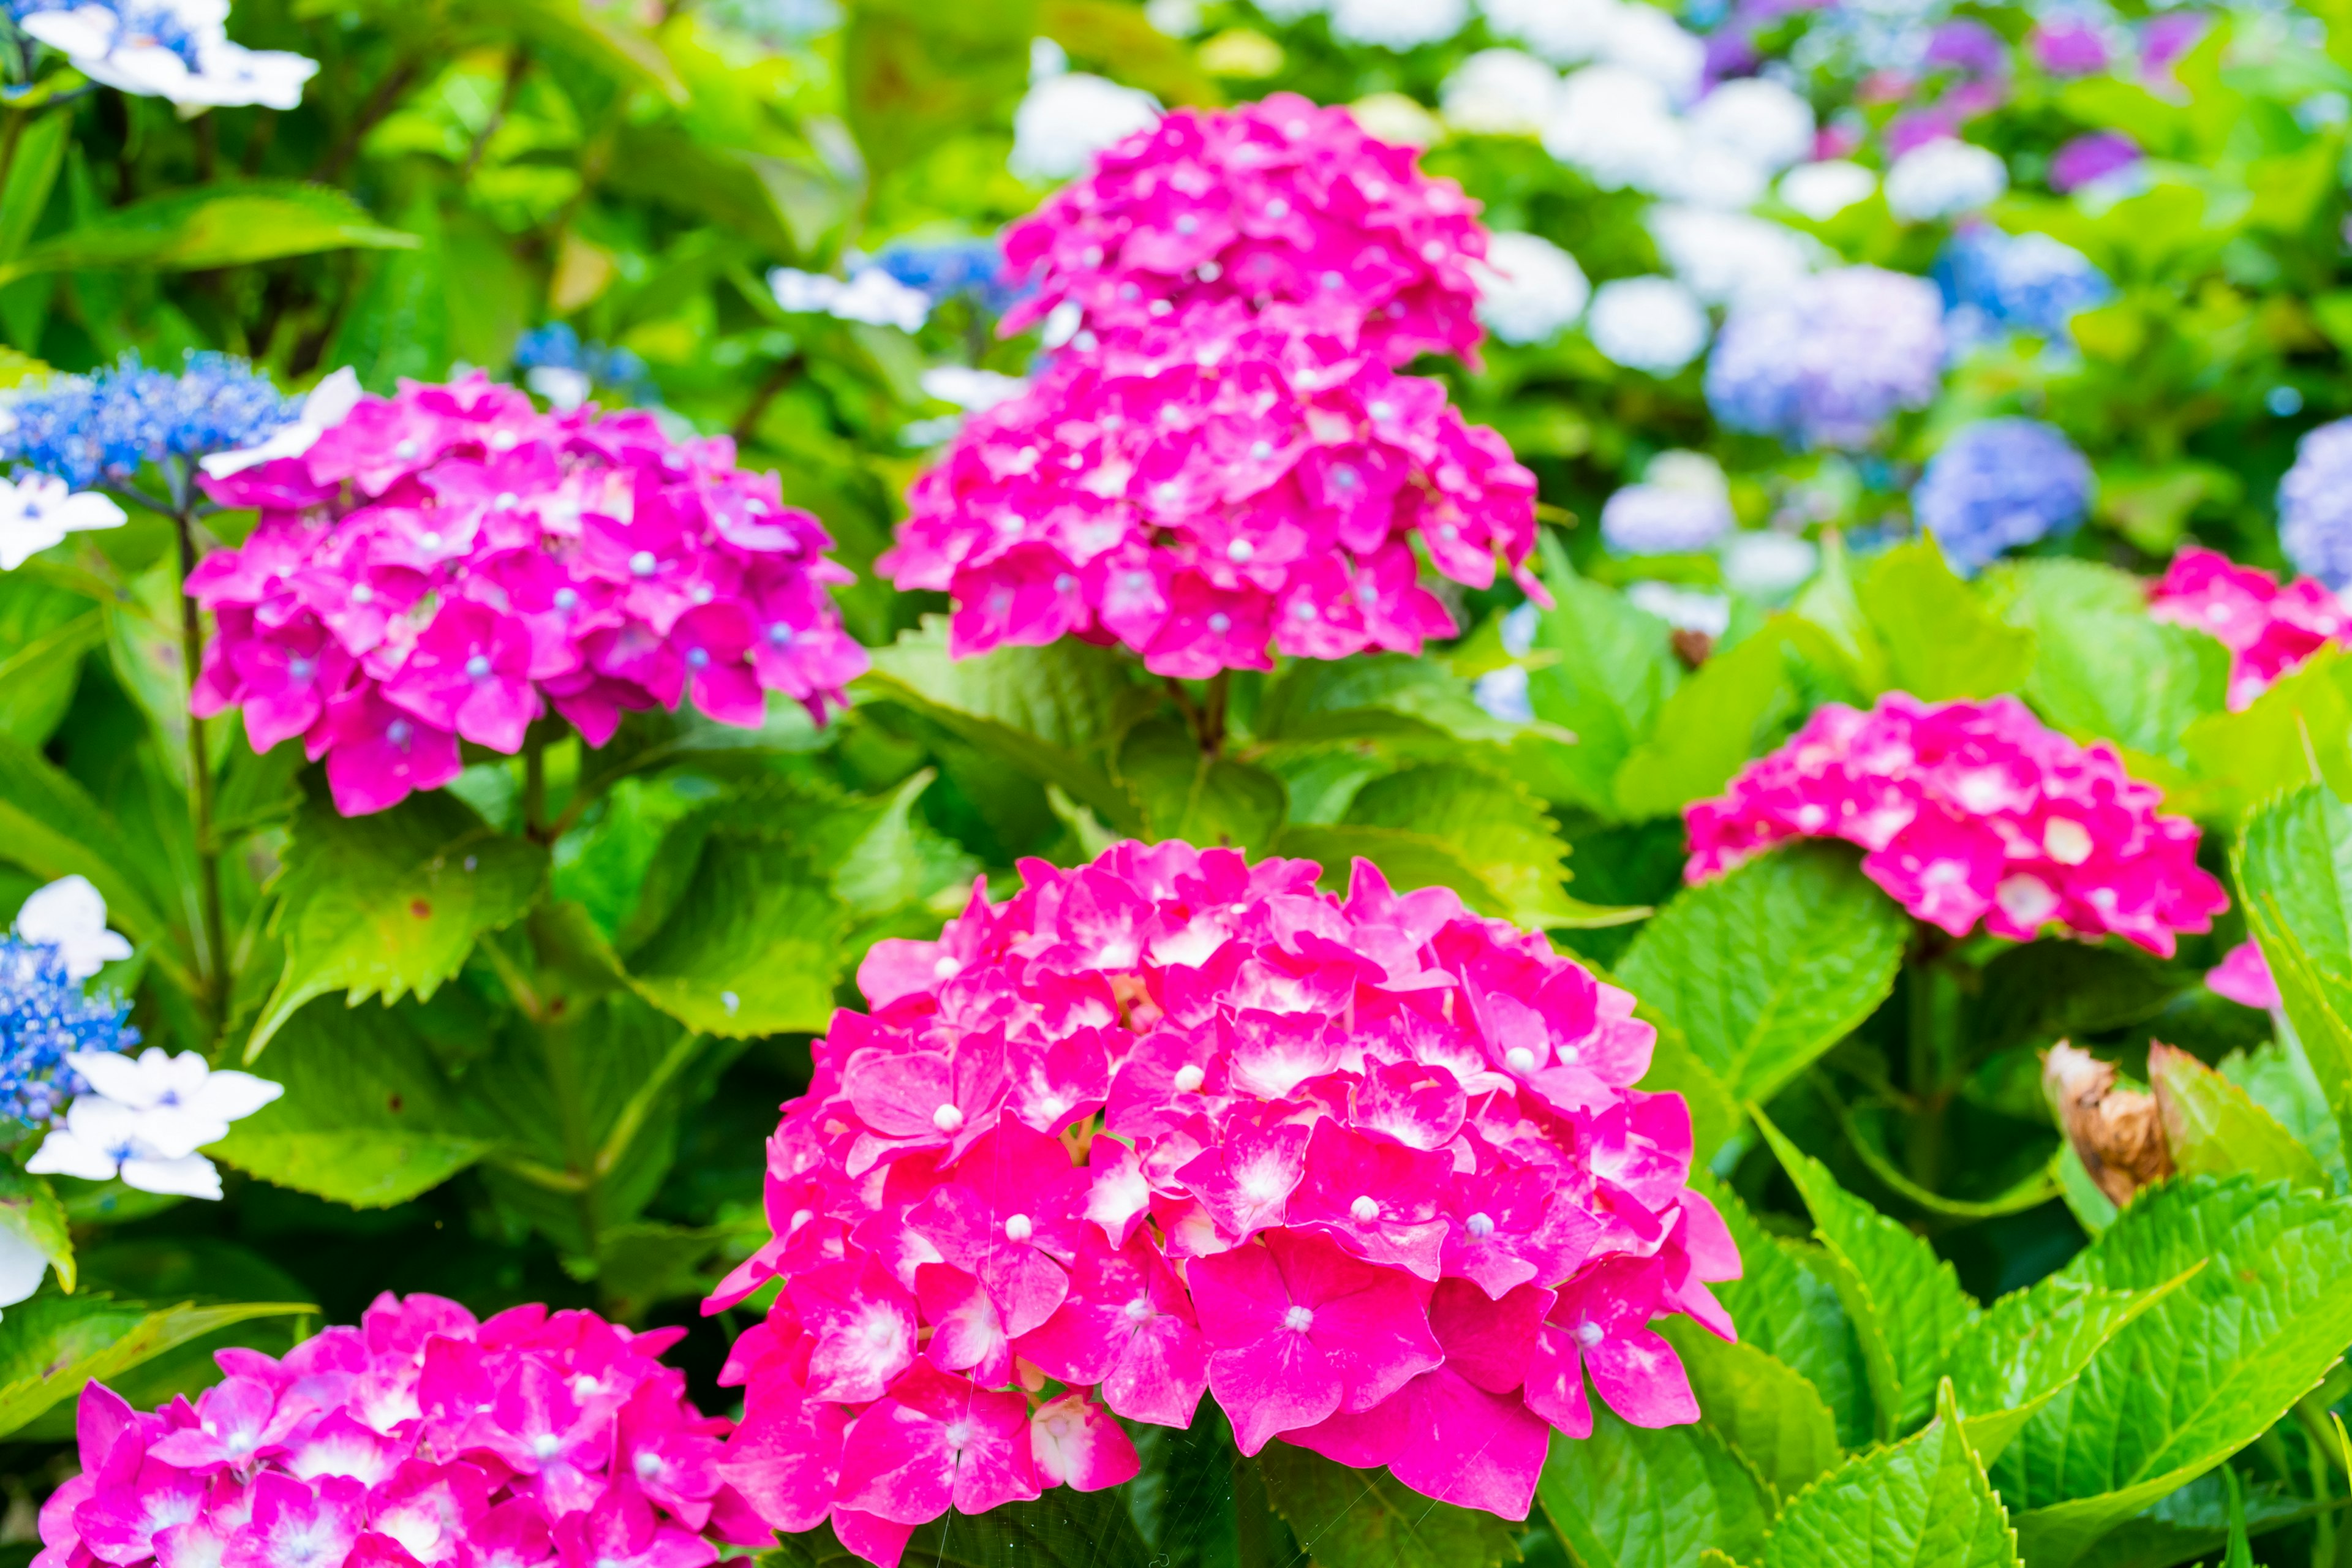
448,563
1972,812
1371,1172
1216,484
423,1438
2270,628
1282,202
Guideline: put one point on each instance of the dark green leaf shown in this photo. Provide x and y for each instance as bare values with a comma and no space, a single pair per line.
1634,1497
1200,799
1733,708
1368,1518
2215,1128
217,225
1611,670
1784,1304
1761,1406
52,1345
752,945
2294,866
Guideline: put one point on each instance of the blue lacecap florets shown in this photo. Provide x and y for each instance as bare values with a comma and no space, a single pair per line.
46,1016
105,426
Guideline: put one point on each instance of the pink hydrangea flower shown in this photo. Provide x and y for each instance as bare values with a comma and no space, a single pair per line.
1282,202
1371,1172
1972,812
449,564
2270,628
422,1438
2243,976
1212,485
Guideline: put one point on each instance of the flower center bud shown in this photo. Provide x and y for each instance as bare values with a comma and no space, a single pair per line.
1018,1229
1520,1059
1221,623
642,565
945,969
2068,841
506,501
1479,1225
478,667
298,669
1187,1077
1240,550
1064,582
1365,1210
430,540
1140,1309
404,449
1589,1334
362,594
703,594
698,658
947,1118
547,1445
1381,411
1138,581
1298,1320
397,732
1261,450
1571,1054
958,1434
567,598
1188,224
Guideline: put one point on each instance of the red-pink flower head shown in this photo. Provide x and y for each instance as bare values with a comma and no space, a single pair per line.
1365,1171
1276,203
2270,628
1972,812
1212,486
423,1438
448,563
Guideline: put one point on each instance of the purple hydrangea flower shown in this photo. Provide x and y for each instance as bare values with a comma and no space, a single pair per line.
1828,362
2314,504
1998,485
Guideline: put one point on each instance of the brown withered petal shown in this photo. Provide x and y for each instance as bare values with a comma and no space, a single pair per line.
2118,1133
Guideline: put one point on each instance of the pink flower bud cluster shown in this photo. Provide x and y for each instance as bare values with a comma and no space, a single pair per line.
1971,811
422,1438
1210,485
1371,1172
2269,628
446,563
1281,202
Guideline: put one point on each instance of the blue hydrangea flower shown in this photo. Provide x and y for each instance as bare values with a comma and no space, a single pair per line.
1995,283
967,266
2315,503
92,429
1998,485
577,366
1828,361
45,1016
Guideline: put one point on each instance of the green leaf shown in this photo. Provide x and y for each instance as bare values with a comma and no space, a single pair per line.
210,227
1941,640
2105,669
44,632
1906,1303
52,1345
1766,968
1785,1305
51,828
1760,1404
30,1211
1054,713
1923,1503
2294,866
2215,1128
1367,1519
2031,1344
390,904
368,1118
1734,707
33,168
396,323
918,75
2275,1077
2185,1524
1634,1497
1203,800
2204,1372
752,945
1064,1529
1611,669
2293,734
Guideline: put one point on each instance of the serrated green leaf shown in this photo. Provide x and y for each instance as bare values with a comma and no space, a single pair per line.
1202,799
2190,1523
2215,1128
1634,1497
390,904
1766,968
752,945
2292,734
2030,1345
53,1345
1923,1503
1761,1406
2104,668
1906,1303
1410,706
1369,1519
2204,1372
2293,864
44,633
2277,1077
1725,714
1940,638
1610,671
1784,1304
214,226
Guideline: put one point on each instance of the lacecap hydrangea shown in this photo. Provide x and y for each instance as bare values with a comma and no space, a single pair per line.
1998,485
1972,812
2268,627
1828,361
103,428
1371,1172
1201,488
1282,202
449,563
422,1438
2314,505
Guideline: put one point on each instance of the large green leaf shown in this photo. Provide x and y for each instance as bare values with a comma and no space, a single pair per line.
1611,669
2293,867
1941,640
2031,1343
2292,734
2104,668
1734,707
2204,1372
1635,1497
1923,1503
390,904
1784,1304
52,1345
918,75
2215,1128
210,227
367,1118
1369,1520
1189,795
1761,1406
44,632
1906,1303
751,946
1769,967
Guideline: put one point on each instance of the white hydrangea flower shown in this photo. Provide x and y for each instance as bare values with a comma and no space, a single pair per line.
327,404
1944,178
145,1117
1651,324
1820,191
564,387
1529,290
1766,565
1684,609
1288,11
968,389
178,50
1683,503
1726,257
1064,120
1761,121
1500,92
1397,24
69,915
38,510
1707,175
1645,39
21,1266
1177,19
1565,32
873,297
1615,127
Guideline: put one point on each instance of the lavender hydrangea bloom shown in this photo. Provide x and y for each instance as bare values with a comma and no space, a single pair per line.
1682,503
1994,281
1827,361
46,1016
2000,484
2315,503
104,428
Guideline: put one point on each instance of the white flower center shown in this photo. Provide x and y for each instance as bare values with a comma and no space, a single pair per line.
947,1118
1298,1320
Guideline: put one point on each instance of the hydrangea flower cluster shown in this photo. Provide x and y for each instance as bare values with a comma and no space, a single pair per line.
1282,202
1830,360
47,1019
566,371
2270,628
2000,484
447,564
974,269
1370,1172
2314,505
1971,811
173,49
103,428
1199,489
1994,282
423,1438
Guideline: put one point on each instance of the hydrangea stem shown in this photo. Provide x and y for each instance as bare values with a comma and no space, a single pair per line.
212,956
